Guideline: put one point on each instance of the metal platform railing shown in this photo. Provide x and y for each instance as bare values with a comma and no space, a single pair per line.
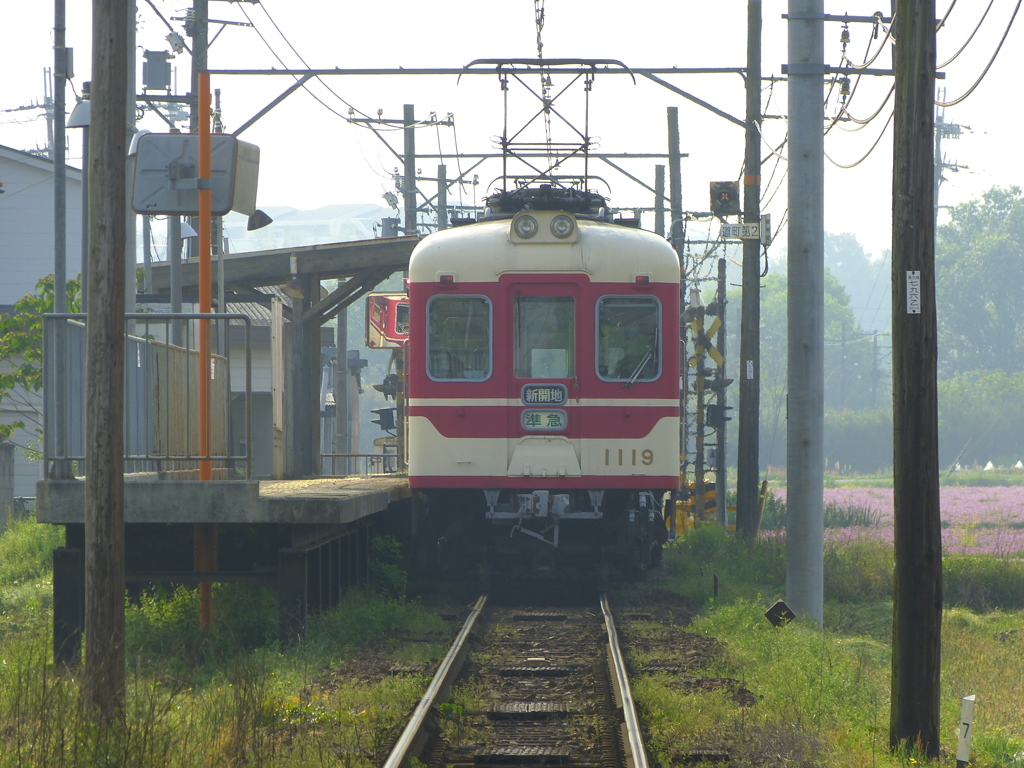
345,464
161,401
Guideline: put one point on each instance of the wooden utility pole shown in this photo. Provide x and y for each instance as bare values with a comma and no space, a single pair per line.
917,589
103,683
749,368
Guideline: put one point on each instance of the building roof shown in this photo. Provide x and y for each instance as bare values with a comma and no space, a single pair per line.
40,162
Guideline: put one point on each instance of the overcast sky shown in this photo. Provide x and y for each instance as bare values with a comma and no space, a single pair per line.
311,156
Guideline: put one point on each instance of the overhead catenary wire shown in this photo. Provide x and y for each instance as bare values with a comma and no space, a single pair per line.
281,61
353,109
284,37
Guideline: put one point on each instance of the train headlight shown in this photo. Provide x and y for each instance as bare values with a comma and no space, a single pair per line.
526,227
562,226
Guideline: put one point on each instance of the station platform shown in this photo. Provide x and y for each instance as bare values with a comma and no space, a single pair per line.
310,539
312,501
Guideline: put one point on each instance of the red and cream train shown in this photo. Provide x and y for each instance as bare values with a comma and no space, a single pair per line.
542,385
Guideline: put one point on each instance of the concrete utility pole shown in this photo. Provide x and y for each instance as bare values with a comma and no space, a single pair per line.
200,30
675,237
409,179
943,130
442,197
805,452
749,369
60,232
103,682
128,128
917,544
659,200
60,189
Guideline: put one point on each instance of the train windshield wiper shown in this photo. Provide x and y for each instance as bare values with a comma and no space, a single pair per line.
640,366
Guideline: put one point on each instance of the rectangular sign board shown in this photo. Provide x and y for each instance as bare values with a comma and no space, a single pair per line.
913,292
741,231
166,169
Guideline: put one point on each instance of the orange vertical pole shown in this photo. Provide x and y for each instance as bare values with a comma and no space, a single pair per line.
205,274
205,533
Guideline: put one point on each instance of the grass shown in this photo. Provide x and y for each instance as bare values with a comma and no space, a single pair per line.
823,696
233,697
227,697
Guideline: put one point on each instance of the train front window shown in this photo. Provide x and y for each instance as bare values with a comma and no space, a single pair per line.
459,338
545,337
628,332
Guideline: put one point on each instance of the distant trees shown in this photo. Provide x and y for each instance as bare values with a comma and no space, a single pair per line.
866,280
979,275
856,371
850,367
21,358
980,298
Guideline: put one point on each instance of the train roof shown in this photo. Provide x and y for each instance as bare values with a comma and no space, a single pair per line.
548,197
483,251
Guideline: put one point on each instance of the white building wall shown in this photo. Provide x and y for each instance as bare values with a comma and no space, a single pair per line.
26,255
26,407
26,223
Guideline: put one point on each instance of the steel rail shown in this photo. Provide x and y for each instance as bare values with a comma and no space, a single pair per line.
410,743
636,757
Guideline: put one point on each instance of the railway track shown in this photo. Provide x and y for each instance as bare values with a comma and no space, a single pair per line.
523,688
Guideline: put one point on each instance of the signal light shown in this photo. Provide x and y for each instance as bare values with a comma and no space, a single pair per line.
725,198
385,418
389,387
714,415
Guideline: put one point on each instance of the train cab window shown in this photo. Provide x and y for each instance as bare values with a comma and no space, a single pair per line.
459,338
545,337
402,318
628,335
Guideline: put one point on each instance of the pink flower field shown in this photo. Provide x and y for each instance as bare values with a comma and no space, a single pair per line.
975,520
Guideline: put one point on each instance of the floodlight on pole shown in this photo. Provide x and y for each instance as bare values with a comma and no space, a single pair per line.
79,117
258,220
292,288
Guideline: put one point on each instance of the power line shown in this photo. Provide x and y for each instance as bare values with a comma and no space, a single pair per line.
988,66
866,154
981,21
881,46
863,122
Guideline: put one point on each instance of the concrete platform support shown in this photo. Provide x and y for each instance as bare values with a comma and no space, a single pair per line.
314,576
291,596
68,606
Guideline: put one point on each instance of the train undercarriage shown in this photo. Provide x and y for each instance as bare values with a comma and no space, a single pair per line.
514,535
